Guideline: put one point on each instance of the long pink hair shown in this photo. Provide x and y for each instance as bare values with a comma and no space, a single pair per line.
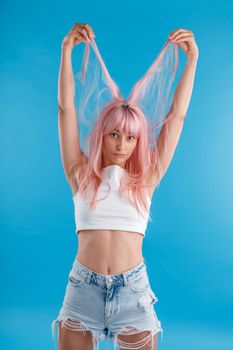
100,108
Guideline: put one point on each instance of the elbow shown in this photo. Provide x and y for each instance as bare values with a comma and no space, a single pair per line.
179,117
60,108
64,108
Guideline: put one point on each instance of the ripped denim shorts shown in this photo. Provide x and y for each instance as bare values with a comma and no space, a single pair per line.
110,305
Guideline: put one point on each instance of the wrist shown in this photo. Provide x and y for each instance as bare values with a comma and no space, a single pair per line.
192,57
66,48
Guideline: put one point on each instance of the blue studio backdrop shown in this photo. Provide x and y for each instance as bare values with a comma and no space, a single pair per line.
188,247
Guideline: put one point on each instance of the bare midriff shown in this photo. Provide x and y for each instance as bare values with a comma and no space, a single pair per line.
109,251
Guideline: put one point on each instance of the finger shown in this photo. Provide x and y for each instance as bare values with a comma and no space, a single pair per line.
80,36
77,26
174,32
183,37
77,40
178,31
187,32
89,31
85,27
83,34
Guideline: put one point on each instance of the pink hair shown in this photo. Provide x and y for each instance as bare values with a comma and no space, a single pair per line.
136,120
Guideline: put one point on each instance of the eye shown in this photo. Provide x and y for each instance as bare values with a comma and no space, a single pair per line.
132,138
113,133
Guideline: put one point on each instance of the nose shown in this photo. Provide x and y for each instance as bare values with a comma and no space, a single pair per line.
120,145
120,150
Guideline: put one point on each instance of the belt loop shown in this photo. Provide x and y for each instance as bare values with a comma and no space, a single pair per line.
125,279
88,277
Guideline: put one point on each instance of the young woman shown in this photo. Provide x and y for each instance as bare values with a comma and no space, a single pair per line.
108,293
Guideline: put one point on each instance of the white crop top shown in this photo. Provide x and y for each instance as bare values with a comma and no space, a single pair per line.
112,213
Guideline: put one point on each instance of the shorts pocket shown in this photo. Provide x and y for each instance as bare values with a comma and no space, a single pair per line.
139,283
147,300
76,280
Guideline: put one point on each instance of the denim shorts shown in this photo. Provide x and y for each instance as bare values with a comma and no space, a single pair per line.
110,305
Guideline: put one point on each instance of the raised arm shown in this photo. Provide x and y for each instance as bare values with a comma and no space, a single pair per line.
171,130
71,152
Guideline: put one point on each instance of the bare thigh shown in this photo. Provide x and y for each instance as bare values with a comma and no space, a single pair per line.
74,339
139,341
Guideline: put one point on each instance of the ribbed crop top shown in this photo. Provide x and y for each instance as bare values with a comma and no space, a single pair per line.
112,213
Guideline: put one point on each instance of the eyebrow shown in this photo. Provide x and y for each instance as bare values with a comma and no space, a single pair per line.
130,133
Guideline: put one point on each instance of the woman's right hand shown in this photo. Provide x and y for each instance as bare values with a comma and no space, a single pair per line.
78,33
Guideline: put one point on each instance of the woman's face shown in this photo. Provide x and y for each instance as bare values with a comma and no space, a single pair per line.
115,143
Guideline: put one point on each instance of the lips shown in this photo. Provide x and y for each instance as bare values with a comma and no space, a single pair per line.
119,155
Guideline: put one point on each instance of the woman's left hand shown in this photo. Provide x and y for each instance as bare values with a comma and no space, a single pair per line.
185,39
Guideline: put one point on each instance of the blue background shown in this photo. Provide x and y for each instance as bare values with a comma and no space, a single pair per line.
188,247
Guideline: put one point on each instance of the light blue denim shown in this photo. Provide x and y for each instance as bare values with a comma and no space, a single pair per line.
109,305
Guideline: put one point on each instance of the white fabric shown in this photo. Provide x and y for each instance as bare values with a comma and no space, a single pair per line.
113,212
